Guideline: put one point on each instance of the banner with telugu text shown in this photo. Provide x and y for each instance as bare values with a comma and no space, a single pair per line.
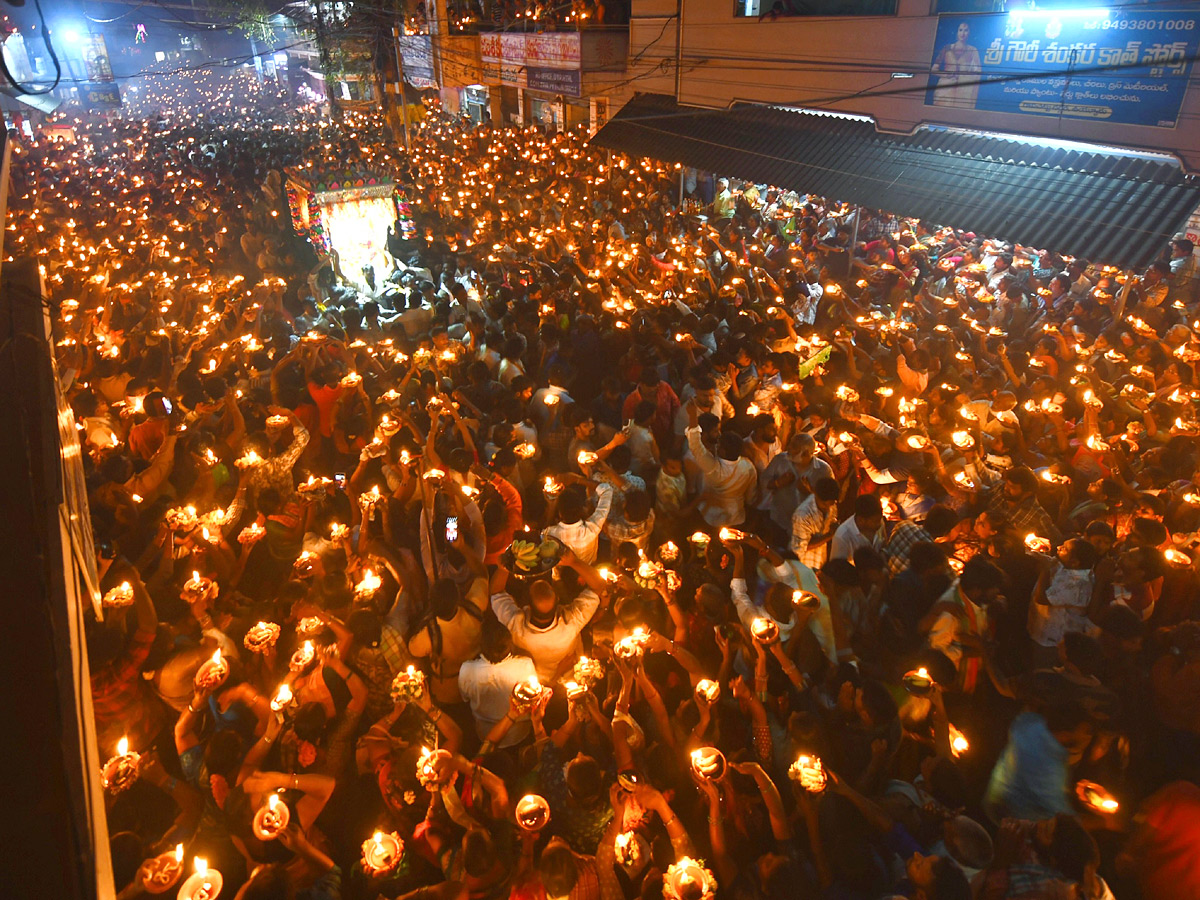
1125,66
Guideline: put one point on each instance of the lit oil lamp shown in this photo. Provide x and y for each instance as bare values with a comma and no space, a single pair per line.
708,689
310,626
917,441
963,480
434,475
726,535
1037,544
249,460
338,531
368,584
846,394
252,533
181,518
277,421
668,552
552,487
1053,478
119,597
381,852
647,573
196,586
203,884
271,818
809,773
918,681
587,458
1177,559
525,450
427,770
806,600
1096,798
962,440
313,485
304,655
764,630
262,636
160,873
532,813
212,672
408,685
708,763
526,693
282,698
633,645
588,670
627,848
699,539
120,772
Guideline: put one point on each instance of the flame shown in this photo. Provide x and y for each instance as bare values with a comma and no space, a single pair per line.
201,865
958,742
216,657
272,801
179,853
123,746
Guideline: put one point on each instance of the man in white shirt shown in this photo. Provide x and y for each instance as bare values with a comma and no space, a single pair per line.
814,523
707,399
573,530
487,683
790,477
863,529
729,478
549,630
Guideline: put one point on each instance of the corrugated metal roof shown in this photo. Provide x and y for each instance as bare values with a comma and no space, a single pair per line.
1118,209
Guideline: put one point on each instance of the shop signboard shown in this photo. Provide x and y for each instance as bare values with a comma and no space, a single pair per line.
100,95
95,58
417,52
553,50
555,81
1127,65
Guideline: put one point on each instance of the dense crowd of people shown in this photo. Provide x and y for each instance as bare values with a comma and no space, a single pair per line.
607,547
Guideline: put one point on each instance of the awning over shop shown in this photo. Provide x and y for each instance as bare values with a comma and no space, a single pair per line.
1110,207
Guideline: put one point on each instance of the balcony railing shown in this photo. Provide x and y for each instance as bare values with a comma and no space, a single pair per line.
474,16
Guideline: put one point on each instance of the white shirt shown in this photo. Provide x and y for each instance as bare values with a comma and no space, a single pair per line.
583,536
548,646
487,686
848,538
800,577
729,484
1068,595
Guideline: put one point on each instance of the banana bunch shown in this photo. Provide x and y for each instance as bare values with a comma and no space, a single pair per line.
525,554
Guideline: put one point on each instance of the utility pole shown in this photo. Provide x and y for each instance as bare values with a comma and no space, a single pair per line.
678,49
400,88
335,105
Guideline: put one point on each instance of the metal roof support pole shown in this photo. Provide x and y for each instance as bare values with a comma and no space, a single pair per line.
853,243
678,49
1119,312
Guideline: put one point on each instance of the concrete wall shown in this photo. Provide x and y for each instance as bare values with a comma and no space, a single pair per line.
813,61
